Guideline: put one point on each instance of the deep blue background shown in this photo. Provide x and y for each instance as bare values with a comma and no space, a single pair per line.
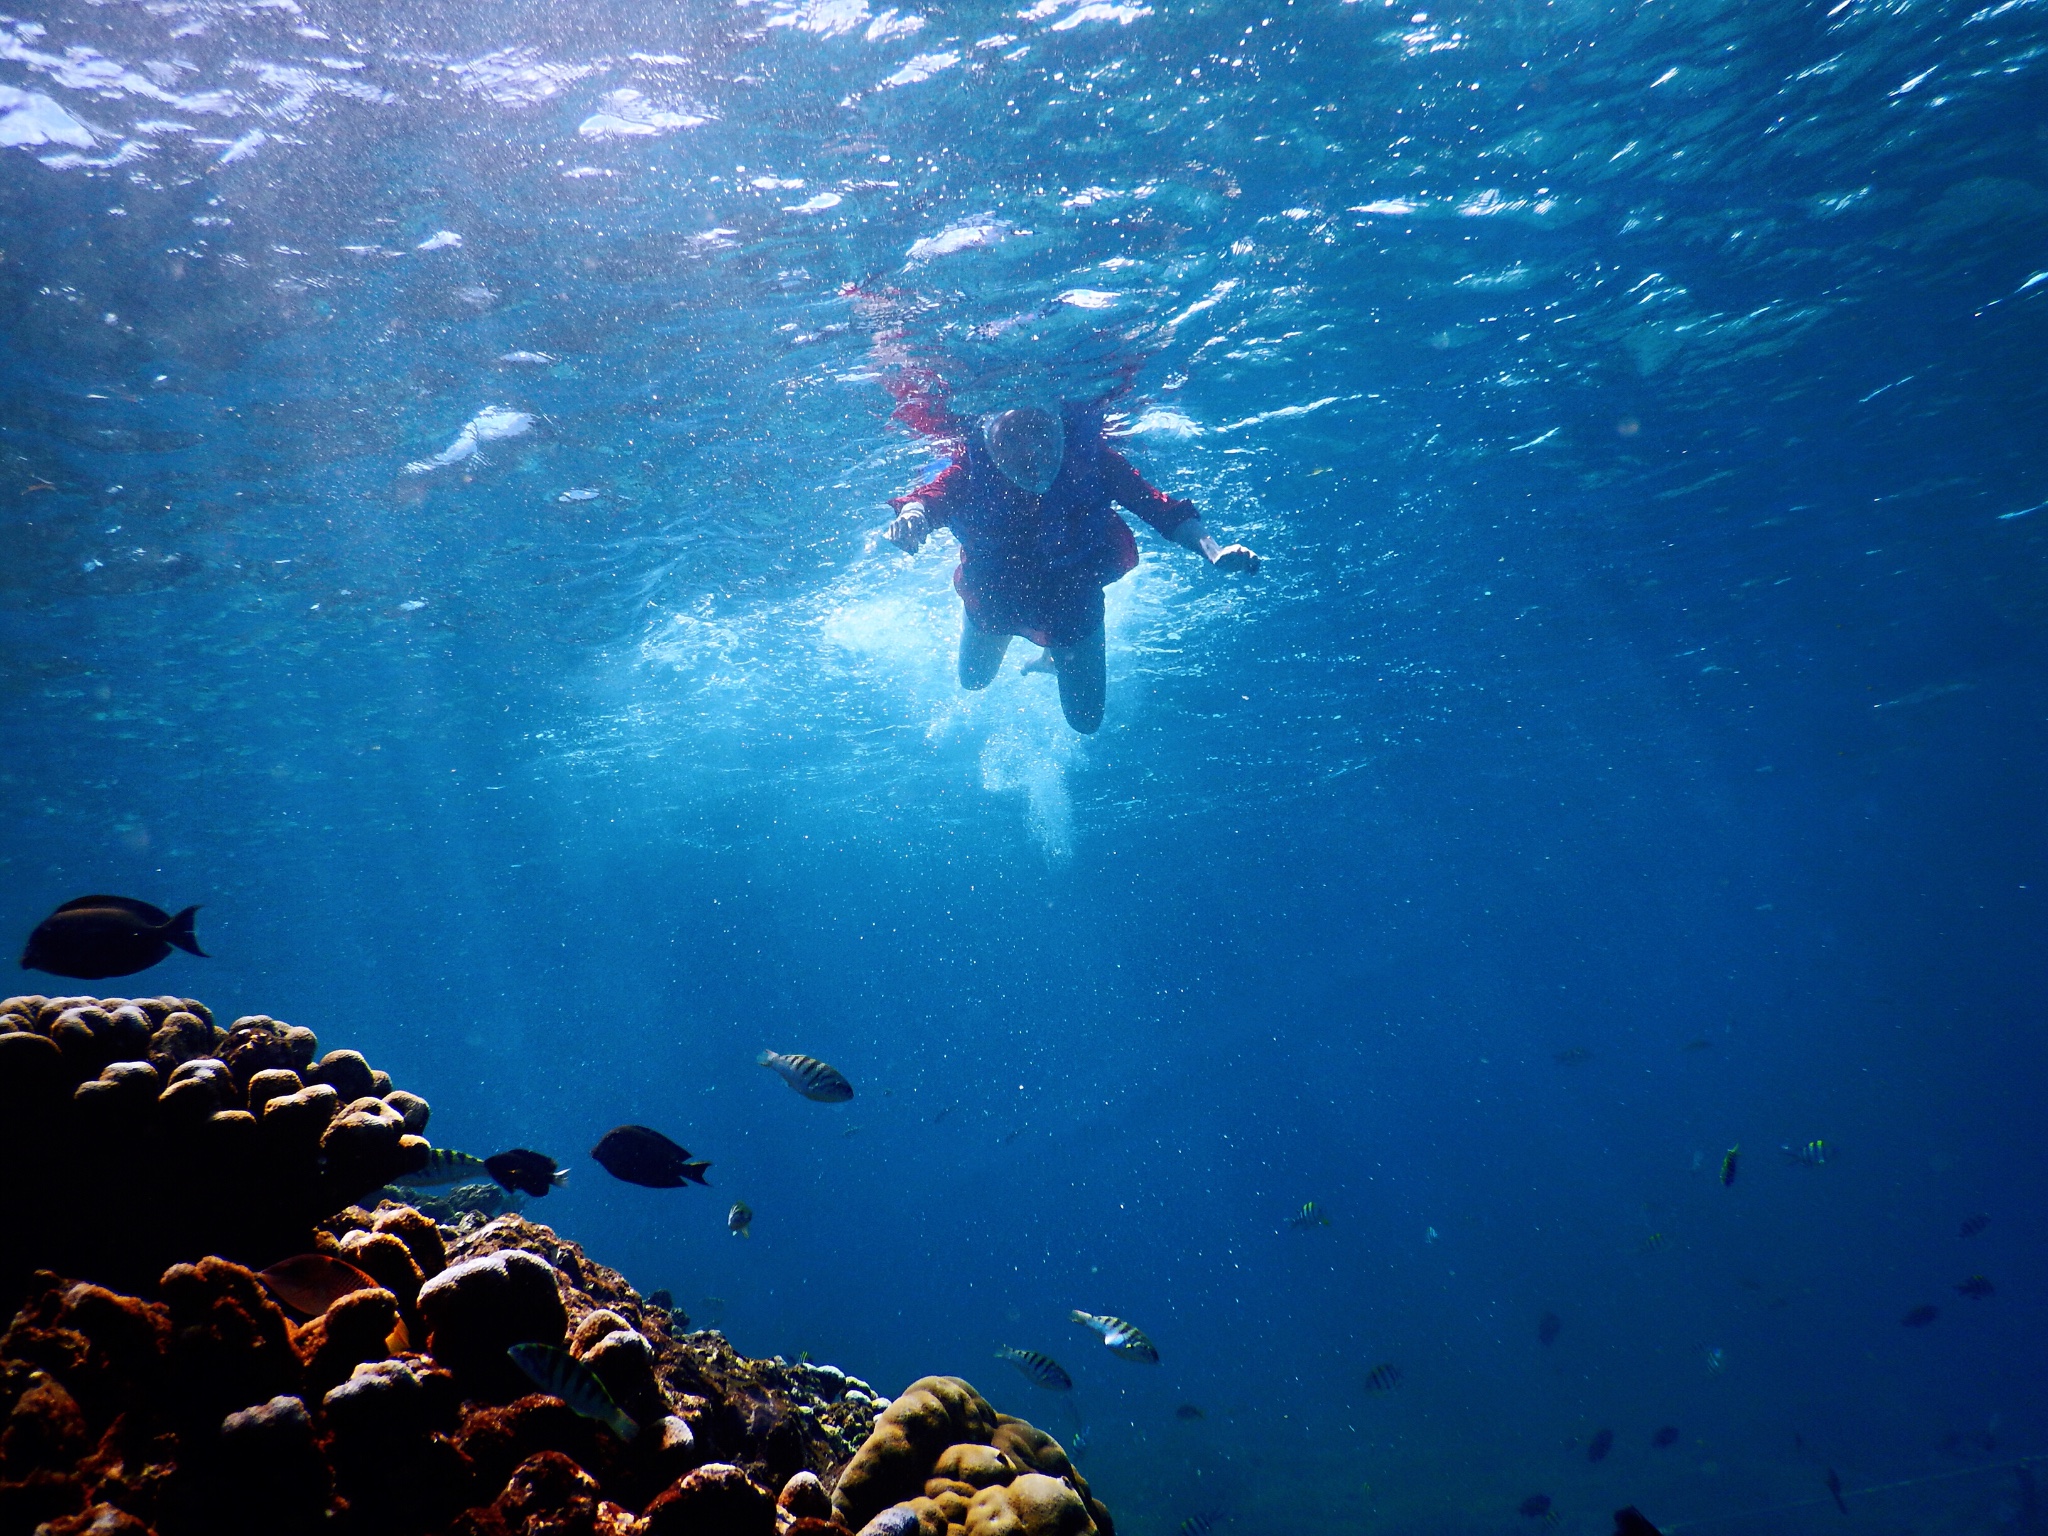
1650,653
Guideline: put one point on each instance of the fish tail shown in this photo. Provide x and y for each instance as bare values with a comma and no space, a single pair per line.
178,931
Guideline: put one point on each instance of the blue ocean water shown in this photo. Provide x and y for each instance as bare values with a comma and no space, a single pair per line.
1633,747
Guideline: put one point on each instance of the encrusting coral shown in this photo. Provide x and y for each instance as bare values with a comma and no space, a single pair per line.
162,1389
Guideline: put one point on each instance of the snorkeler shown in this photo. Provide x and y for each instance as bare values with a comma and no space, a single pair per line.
1028,496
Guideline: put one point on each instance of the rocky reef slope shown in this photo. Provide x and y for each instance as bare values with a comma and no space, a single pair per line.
158,1377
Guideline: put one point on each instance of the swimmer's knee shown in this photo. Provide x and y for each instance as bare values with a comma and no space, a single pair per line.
1085,720
975,684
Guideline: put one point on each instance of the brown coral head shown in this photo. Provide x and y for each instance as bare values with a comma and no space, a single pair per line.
718,1499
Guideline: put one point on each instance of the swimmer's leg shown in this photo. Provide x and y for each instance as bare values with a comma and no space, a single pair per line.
981,654
1083,672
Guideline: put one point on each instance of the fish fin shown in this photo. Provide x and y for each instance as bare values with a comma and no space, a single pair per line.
622,1425
559,1178
178,931
141,909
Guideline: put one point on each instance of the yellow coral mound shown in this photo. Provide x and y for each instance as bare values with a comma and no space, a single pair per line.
942,1462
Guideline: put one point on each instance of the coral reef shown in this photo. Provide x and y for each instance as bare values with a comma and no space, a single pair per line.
152,1384
942,1462
159,1137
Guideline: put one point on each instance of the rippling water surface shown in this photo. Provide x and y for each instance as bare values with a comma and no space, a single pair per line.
439,447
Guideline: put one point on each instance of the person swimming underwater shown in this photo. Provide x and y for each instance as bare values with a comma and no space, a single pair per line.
1028,497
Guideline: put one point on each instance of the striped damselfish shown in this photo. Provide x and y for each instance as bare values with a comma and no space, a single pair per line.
447,1166
1125,1338
1042,1369
562,1375
809,1076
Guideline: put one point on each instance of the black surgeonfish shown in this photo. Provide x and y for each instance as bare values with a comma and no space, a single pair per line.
530,1173
1630,1522
638,1155
99,936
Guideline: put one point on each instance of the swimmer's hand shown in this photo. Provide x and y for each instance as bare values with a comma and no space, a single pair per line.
1235,558
908,529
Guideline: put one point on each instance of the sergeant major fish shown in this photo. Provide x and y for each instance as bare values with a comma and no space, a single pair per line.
1729,1163
809,1076
558,1372
445,1165
1126,1339
1814,1154
1043,1370
1310,1215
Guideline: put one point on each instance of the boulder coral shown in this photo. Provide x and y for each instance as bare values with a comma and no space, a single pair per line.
942,1462
161,1137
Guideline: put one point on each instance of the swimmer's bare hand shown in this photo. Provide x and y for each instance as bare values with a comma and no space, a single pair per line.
908,530
1235,558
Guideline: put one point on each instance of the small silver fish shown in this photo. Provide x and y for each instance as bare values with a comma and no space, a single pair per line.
809,1076
739,1218
561,1374
1125,1338
1042,1369
525,359
445,1165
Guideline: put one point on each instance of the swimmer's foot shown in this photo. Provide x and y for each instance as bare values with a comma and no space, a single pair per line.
1043,662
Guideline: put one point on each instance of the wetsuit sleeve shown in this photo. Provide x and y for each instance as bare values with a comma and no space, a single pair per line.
1128,489
938,495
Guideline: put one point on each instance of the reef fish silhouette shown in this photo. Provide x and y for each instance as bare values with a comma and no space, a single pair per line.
530,1173
1125,1338
99,936
313,1282
557,1371
637,1155
812,1078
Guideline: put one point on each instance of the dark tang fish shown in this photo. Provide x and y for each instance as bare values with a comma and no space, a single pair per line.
1665,1437
1548,1327
1187,1413
562,1375
1920,1316
809,1076
1630,1522
98,936
1601,1444
530,1173
1383,1377
1972,1225
313,1282
1976,1287
647,1158
1042,1369
1835,1488
1534,1507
